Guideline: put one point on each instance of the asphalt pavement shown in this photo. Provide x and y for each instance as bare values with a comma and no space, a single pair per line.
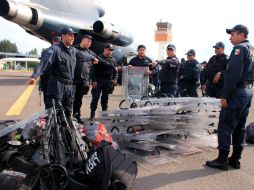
187,173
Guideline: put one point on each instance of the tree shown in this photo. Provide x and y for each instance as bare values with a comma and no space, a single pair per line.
7,46
33,52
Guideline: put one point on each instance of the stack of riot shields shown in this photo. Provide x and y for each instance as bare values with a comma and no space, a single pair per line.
159,129
176,127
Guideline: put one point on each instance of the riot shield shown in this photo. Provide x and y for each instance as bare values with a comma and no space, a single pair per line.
135,83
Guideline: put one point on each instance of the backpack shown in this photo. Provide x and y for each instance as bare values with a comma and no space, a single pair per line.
96,132
250,133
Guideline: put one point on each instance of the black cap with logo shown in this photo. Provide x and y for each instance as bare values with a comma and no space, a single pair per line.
109,46
238,28
171,46
67,30
191,52
219,45
88,36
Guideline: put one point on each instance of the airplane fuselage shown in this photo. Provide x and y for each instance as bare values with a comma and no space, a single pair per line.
45,19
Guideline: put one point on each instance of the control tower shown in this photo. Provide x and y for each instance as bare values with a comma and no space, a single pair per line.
163,36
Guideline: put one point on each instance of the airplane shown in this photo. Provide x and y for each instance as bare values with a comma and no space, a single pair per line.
45,19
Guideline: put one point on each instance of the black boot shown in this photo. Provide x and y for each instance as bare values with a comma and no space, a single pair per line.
77,116
221,162
234,160
92,115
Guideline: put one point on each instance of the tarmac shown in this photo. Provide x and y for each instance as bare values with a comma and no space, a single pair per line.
187,173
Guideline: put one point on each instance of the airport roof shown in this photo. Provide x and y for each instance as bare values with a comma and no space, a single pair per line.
21,59
18,55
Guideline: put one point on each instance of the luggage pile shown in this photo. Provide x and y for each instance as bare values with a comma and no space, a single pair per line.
50,151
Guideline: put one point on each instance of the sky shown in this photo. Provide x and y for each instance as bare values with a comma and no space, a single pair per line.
196,24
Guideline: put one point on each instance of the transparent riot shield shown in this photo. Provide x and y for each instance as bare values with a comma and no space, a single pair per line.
135,83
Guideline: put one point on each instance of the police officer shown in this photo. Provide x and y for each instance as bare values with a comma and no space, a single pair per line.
103,76
235,100
169,72
202,68
189,76
211,81
141,60
61,61
44,78
81,76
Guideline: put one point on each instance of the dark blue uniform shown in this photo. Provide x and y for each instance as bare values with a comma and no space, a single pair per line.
140,62
168,76
102,73
189,76
61,62
82,78
217,63
44,78
237,83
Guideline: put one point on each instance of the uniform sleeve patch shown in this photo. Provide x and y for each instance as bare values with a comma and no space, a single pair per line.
237,51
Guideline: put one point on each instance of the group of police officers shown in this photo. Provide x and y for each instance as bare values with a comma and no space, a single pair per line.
66,72
69,70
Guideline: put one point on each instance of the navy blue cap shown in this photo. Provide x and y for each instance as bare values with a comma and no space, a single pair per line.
191,52
87,36
171,46
109,46
141,46
56,39
67,30
219,45
240,28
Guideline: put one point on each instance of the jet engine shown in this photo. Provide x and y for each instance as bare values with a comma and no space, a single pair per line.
21,14
112,33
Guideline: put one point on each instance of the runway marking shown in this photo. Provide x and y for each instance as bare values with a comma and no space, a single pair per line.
19,105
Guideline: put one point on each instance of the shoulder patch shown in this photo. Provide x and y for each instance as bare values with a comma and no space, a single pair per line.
237,52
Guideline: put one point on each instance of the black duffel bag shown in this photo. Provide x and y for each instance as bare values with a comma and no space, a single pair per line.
110,169
250,133
11,180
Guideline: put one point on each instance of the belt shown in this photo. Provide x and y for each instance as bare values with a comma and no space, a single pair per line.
63,80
